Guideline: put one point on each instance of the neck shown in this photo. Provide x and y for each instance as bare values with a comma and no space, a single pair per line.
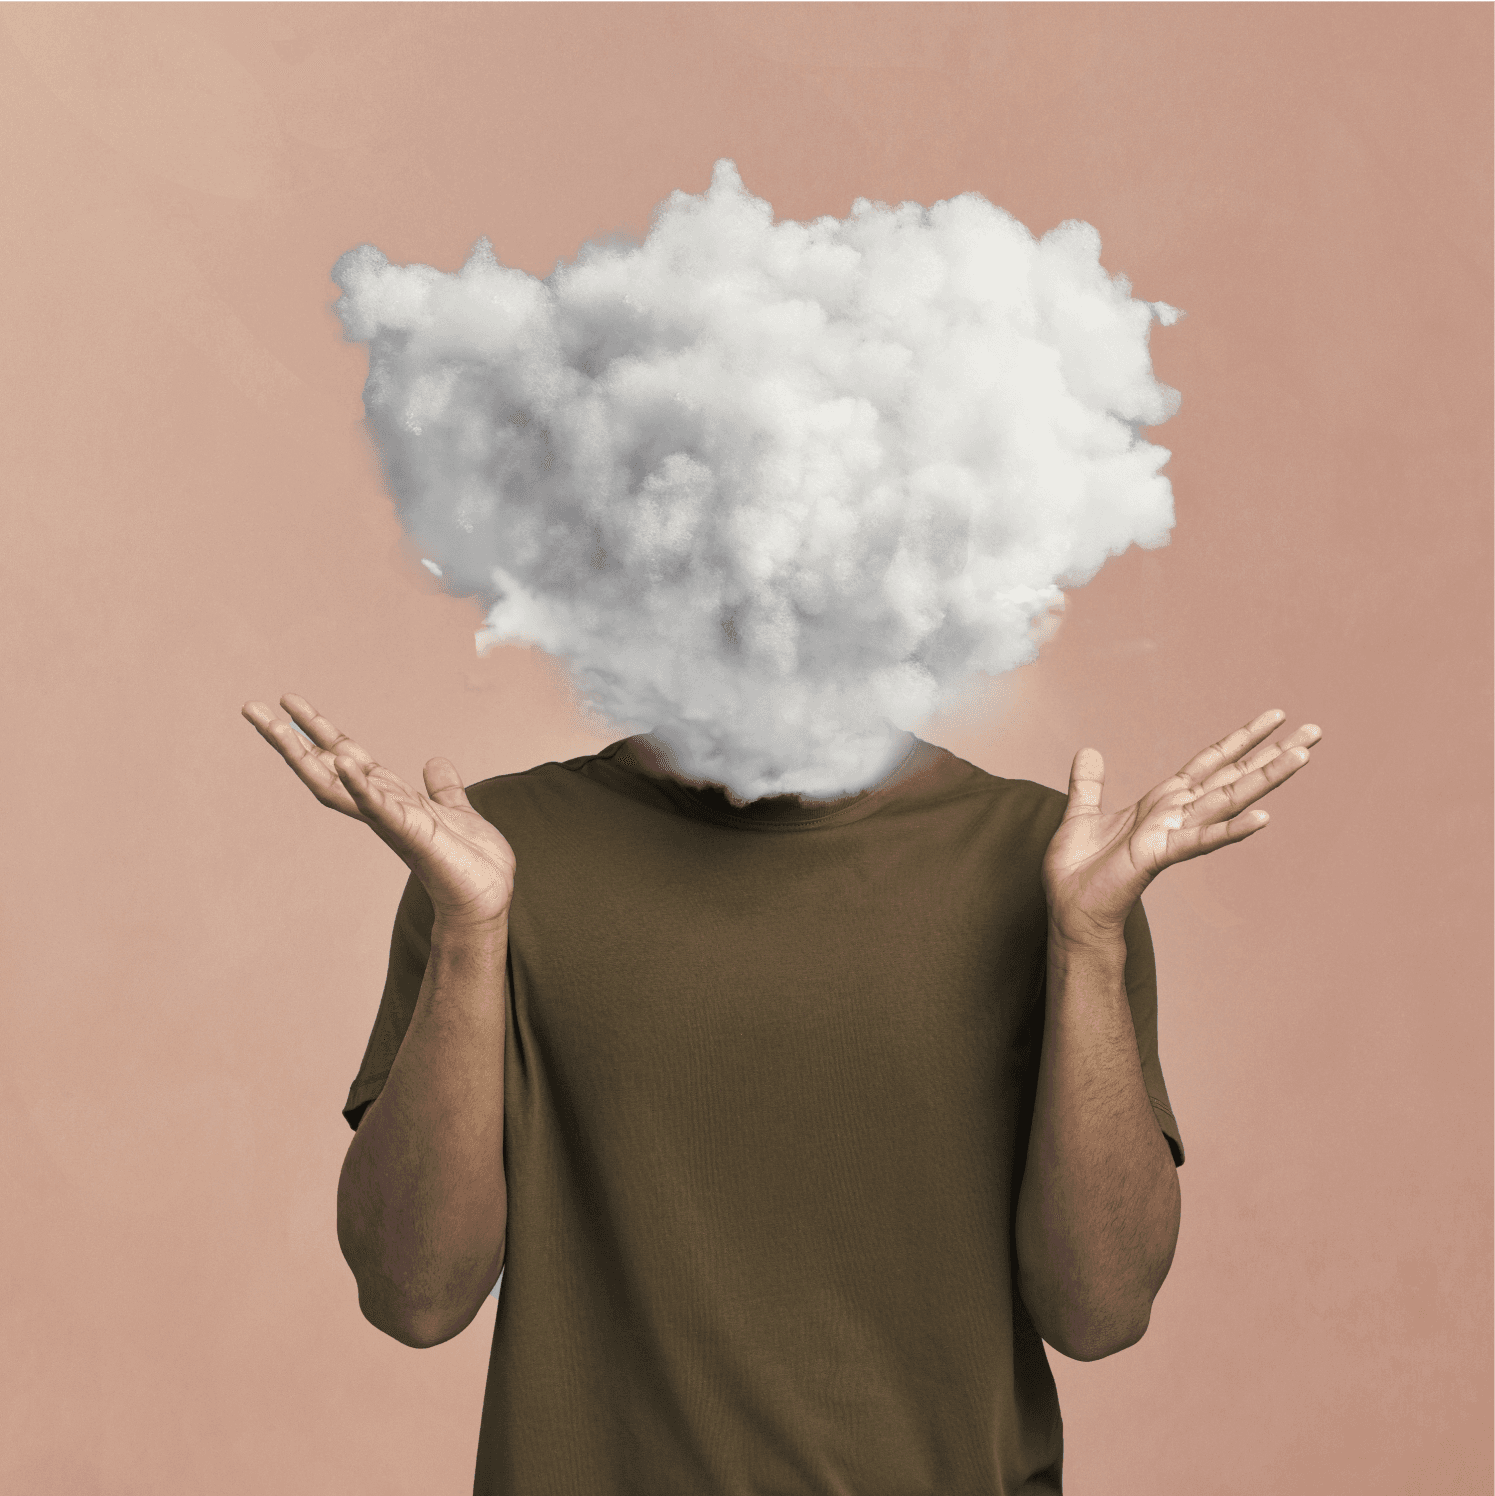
657,759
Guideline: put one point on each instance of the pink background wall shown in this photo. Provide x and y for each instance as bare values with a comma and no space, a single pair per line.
194,947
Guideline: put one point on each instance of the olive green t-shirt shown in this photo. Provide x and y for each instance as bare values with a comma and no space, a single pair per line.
768,1083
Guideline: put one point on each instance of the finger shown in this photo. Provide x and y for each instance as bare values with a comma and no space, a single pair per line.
1196,841
380,799
1305,737
282,736
383,799
322,732
355,779
1087,779
444,783
1228,749
1230,799
399,815
312,768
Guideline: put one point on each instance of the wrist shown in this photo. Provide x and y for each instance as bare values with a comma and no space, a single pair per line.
449,930
1085,938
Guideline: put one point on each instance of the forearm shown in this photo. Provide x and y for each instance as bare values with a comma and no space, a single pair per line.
1098,1212
422,1205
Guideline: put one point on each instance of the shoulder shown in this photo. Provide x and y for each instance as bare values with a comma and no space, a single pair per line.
1013,801
553,803
552,780
1013,820
1028,813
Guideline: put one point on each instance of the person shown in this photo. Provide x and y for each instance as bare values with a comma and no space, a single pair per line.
796,1127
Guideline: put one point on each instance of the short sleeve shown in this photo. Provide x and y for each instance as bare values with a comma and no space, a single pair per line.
409,950
1142,997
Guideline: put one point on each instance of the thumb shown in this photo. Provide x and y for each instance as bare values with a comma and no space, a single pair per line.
444,783
1087,778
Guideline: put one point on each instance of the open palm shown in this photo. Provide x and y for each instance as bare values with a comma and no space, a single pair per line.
1097,865
465,863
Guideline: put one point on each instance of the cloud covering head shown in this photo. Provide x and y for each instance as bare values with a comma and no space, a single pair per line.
776,491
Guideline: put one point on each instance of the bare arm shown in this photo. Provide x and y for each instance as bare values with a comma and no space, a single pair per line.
422,1208
1098,1212
1099,1208
422,1204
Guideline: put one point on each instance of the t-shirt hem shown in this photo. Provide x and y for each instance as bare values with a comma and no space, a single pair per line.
1170,1130
363,1090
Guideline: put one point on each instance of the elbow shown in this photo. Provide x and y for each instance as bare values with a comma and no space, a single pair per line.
417,1340
423,1338
388,1320
421,1329
1091,1336
1099,1348
420,1334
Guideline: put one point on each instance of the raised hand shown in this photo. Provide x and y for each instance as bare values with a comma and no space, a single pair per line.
1097,865
465,863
